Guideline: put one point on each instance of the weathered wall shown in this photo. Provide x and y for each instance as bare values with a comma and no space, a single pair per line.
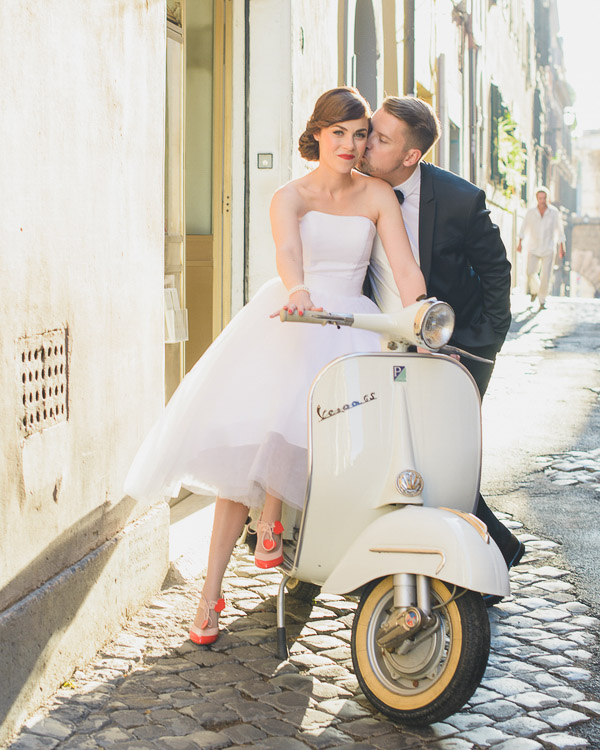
587,150
585,250
81,240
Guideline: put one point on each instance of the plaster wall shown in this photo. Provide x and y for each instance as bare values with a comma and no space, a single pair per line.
293,59
587,150
270,127
314,66
81,242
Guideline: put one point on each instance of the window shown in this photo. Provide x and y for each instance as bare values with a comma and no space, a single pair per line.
365,52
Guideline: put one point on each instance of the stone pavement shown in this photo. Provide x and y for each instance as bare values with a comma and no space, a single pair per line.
573,467
152,688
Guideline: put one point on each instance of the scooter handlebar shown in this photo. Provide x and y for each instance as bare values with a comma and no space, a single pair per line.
316,316
427,323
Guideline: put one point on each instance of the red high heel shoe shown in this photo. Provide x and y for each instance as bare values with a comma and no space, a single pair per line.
208,632
269,551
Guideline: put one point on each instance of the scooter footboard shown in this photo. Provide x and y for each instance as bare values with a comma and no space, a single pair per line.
455,548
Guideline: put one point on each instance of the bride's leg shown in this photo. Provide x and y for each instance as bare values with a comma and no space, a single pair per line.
269,550
227,526
271,511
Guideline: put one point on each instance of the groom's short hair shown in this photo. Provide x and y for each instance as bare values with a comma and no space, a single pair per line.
422,122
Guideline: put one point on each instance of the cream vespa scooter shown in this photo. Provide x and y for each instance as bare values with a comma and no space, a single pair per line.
394,469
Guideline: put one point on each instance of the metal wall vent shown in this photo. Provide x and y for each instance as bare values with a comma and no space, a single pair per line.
44,380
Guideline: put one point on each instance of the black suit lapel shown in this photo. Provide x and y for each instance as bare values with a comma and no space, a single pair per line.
426,220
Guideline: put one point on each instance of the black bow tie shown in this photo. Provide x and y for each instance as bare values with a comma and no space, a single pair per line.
399,195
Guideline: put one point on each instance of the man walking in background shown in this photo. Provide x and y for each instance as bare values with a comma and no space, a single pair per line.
457,246
542,230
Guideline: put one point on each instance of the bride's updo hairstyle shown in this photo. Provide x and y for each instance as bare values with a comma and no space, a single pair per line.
336,105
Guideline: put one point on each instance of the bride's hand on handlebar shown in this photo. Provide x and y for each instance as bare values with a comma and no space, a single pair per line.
299,301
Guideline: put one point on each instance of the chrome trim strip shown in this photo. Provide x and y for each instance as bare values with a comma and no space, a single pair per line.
413,551
475,522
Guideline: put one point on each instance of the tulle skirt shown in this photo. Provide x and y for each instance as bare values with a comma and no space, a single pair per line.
237,424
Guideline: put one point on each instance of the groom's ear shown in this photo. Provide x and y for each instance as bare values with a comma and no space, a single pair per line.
412,157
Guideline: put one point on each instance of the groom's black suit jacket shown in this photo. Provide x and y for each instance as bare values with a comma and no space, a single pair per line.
463,258
464,263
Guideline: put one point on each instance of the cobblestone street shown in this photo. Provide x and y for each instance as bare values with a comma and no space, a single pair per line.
152,688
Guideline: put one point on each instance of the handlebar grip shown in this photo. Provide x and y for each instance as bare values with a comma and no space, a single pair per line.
309,316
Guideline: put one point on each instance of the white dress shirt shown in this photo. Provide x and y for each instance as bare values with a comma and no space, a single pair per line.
541,234
384,287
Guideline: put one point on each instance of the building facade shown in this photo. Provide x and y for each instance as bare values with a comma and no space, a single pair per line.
136,192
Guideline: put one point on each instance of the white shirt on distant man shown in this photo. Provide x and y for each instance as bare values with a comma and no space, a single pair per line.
541,232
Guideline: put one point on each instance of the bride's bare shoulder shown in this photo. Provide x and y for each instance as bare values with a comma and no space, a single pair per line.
294,195
373,186
287,196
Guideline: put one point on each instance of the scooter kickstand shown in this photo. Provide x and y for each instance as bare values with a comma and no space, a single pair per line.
282,649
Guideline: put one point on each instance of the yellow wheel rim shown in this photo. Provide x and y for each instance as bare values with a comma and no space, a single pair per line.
372,674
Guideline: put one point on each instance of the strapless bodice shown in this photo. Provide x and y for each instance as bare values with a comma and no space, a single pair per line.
336,251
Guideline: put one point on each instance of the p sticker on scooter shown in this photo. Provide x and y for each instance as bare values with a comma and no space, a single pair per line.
399,373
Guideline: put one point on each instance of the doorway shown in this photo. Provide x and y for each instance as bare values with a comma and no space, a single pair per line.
197,181
174,279
207,172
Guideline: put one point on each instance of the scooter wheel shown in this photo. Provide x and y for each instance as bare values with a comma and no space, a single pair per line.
302,590
431,676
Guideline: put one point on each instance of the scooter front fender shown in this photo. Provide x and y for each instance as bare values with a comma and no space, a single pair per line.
435,542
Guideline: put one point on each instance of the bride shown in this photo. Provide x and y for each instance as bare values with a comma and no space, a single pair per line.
237,424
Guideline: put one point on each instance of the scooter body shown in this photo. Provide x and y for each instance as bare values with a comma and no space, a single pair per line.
394,471
376,419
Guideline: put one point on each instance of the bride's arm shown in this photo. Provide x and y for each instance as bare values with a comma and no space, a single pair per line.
288,243
391,229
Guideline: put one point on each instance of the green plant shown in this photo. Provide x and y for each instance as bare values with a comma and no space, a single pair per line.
511,156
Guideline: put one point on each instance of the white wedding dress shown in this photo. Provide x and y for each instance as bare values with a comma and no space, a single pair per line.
237,424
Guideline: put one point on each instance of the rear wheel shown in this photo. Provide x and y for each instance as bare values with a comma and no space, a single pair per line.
248,536
301,590
432,675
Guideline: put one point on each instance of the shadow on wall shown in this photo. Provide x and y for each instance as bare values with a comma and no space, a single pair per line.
32,630
99,525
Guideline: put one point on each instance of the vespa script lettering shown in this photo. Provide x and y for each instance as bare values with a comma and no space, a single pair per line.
327,413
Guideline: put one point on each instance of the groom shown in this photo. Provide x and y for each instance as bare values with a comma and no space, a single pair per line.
457,246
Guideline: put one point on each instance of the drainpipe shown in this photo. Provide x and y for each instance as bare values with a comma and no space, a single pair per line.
409,48
568,254
472,111
246,147
442,144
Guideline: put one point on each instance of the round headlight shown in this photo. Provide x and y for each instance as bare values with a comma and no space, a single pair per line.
437,325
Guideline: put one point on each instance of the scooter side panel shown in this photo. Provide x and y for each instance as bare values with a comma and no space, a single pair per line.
356,448
429,541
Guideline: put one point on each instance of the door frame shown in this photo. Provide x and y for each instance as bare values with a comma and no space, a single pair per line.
222,162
